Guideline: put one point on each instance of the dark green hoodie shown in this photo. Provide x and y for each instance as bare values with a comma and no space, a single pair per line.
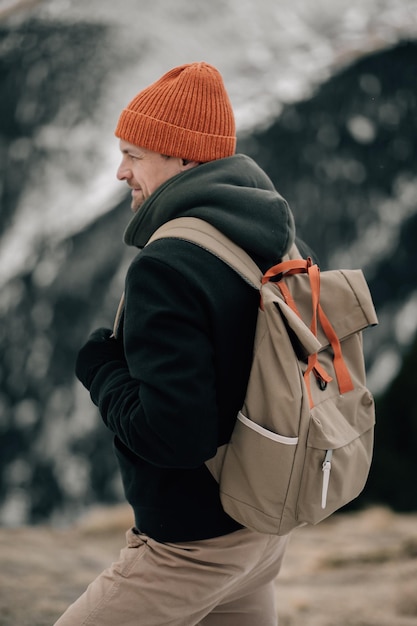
188,331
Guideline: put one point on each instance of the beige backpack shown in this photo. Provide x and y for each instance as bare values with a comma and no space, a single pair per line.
303,440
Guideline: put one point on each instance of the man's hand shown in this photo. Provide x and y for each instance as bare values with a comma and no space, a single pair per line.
101,348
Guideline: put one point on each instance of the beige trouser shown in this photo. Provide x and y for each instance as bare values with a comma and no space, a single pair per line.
224,581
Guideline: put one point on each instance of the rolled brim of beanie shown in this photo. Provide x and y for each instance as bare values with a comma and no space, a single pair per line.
165,138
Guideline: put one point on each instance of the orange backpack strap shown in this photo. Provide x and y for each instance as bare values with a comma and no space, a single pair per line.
343,377
298,266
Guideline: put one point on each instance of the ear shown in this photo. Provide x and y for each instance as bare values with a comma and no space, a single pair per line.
188,165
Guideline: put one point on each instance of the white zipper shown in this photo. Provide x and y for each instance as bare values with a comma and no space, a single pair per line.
326,467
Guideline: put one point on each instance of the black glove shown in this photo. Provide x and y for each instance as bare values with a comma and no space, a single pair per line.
101,348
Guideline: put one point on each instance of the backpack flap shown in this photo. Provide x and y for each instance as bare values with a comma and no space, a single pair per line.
347,316
344,297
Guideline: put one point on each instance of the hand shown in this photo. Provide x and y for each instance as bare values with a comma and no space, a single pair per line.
101,348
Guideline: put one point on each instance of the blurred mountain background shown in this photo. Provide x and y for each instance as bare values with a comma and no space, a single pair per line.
325,95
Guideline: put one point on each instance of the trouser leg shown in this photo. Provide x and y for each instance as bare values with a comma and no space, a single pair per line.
255,609
157,584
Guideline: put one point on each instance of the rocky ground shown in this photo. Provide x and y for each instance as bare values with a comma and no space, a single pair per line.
357,569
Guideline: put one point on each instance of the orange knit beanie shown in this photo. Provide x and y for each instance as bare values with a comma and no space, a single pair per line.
186,113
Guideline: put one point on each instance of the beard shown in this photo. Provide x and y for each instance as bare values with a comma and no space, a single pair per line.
137,200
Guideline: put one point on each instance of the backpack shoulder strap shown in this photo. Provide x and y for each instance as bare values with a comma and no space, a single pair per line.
203,234
206,236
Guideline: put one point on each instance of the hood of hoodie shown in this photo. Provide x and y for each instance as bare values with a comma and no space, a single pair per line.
232,194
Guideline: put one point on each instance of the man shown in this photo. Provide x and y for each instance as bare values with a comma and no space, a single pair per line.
170,385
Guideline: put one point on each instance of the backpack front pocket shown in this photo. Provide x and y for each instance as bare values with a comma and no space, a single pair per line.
338,455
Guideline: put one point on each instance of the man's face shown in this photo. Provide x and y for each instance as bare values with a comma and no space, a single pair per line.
144,171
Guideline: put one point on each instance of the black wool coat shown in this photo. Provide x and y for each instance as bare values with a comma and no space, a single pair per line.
188,331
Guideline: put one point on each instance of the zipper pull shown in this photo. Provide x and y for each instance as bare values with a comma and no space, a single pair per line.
326,467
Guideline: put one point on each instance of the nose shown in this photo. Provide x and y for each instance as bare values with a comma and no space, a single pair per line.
123,172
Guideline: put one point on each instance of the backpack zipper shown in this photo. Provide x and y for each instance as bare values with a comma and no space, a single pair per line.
326,467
